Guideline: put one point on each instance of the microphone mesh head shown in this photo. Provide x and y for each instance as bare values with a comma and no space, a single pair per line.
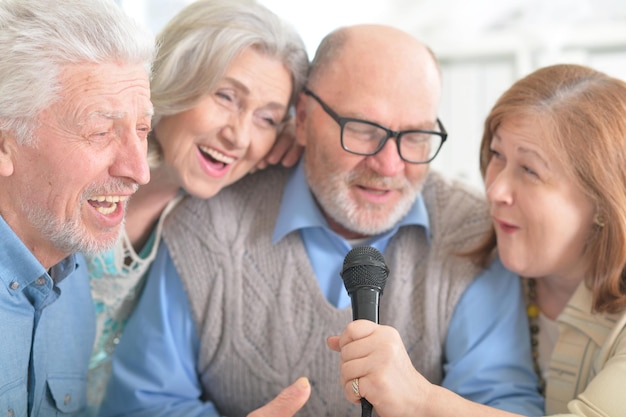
364,266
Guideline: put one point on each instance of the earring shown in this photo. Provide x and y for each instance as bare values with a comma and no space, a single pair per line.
599,220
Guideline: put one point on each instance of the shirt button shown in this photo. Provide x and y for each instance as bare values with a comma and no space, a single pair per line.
40,281
68,399
14,285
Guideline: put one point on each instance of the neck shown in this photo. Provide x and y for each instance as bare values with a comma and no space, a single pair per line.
48,257
146,206
553,294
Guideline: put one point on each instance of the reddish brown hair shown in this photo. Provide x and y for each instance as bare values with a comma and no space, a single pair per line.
584,115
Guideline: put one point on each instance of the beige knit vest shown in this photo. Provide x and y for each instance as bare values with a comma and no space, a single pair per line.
261,317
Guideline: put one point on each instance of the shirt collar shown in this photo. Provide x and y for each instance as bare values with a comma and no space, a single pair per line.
579,314
19,267
298,209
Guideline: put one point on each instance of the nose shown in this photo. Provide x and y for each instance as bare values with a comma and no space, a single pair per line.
237,130
132,159
499,188
387,161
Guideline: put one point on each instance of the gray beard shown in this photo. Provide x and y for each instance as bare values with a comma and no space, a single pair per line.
332,195
69,237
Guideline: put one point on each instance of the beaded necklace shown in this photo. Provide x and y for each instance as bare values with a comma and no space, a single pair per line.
532,311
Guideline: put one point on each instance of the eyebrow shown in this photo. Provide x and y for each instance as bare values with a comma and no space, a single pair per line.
524,151
239,85
533,153
119,115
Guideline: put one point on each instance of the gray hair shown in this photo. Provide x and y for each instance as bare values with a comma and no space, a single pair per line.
327,52
38,38
199,43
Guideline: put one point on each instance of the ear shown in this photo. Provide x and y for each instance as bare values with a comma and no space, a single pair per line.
301,119
8,149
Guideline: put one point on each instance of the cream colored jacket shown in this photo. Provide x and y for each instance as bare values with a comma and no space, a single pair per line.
587,375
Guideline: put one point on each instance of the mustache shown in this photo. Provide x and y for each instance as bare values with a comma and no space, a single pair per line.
373,179
114,186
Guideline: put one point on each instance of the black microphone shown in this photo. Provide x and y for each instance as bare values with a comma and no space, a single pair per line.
364,275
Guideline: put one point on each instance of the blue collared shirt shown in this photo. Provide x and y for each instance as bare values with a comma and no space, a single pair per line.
46,332
487,346
326,249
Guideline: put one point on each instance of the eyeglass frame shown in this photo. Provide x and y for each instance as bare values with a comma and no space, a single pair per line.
341,121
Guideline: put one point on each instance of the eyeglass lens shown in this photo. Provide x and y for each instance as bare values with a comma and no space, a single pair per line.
366,139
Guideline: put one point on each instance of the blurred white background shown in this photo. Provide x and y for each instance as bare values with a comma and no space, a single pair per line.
483,46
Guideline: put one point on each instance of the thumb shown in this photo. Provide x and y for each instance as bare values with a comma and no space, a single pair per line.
287,402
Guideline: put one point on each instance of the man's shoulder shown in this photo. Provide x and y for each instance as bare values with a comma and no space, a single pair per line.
455,209
441,190
272,177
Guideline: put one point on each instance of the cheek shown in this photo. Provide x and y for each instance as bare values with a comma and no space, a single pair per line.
416,173
572,224
260,145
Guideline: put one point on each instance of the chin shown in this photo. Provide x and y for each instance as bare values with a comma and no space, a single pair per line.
206,191
513,265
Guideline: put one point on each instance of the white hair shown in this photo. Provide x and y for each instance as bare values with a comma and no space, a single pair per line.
37,38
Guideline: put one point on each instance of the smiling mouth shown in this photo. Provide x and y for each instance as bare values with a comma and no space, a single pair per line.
215,156
107,204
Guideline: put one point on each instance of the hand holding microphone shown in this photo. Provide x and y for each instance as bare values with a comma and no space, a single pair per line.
364,275
375,367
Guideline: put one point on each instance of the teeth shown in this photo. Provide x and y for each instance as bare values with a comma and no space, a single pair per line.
109,198
217,155
107,210
113,201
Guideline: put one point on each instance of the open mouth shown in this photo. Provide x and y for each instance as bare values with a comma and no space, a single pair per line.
376,191
107,204
216,157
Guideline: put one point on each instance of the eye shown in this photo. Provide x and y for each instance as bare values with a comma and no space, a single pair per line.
494,154
143,131
100,135
224,96
267,118
529,171
270,121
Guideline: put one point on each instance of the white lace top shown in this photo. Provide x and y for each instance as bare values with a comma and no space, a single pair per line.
116,278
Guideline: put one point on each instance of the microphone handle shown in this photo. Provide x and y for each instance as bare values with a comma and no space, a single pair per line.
366,408
365,305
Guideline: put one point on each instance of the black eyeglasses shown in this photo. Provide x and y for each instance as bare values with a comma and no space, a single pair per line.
361,137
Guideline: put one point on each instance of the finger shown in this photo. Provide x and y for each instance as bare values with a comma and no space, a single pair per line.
292,156
262,164
287,402
284,141
356,330
353,390
333,343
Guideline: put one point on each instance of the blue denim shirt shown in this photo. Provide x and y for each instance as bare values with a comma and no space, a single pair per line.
46,332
